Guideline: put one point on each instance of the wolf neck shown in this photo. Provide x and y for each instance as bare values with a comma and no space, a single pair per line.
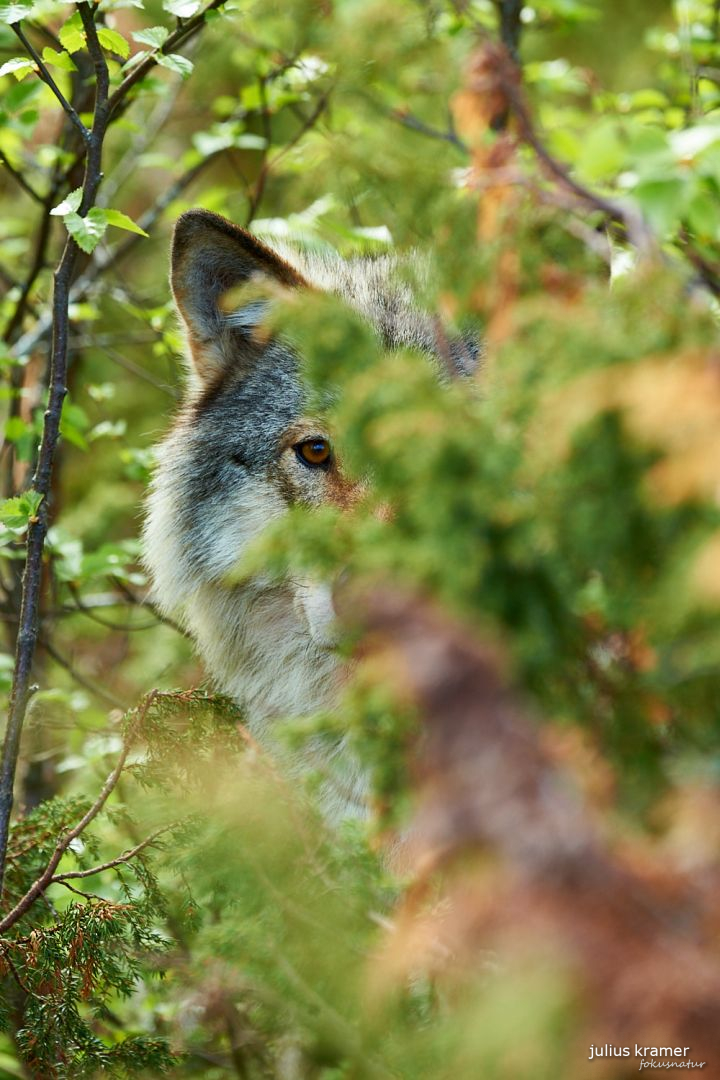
258,652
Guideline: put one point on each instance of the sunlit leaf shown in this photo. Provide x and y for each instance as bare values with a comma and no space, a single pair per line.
87,232
182,9
18,512
13,13
122,221
113,42
69,205
72,35
175,62
152,35
61,60
16,66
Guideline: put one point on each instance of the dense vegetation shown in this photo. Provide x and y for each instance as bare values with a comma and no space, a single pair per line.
543,595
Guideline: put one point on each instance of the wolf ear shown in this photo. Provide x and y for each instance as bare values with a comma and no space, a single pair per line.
211,257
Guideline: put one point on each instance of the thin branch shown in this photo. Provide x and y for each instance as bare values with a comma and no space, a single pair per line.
49,81
109,624
506,73
111,863
81,680
38,262
269,163
149,218
79,892
145,602
39,886
151,126
176,39
32,576
414,124
141,372
259,189
20,179
708,272
510,25
14,973
102,262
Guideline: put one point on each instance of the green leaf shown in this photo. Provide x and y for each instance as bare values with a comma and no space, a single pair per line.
122,221
16,65
12,13
15,428
73,423
56,59
182,9
69,205
222,136
602,152
72,35
108,429
87,232
18,512
175,62
152,35
113,42
703,214
692,141
662,202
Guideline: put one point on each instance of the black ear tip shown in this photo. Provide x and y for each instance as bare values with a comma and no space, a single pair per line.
201,234
192,224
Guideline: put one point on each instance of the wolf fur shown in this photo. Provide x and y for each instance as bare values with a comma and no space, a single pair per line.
229,466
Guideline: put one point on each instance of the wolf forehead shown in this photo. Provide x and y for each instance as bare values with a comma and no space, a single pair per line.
246,390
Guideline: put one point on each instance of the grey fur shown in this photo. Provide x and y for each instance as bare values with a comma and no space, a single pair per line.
227,468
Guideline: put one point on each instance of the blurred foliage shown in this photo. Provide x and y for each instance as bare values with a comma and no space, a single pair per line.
563,506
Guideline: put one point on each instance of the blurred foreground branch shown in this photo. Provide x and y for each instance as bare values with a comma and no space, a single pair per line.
638,941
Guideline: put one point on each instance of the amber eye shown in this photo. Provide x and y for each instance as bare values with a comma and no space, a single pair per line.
315,453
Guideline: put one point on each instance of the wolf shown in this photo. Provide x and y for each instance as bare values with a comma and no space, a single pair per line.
243,449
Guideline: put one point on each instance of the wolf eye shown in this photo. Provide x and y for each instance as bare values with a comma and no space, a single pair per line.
315,453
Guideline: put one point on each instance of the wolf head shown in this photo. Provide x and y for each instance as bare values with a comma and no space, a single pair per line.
244,448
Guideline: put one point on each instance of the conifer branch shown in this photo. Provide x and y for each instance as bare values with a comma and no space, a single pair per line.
47,877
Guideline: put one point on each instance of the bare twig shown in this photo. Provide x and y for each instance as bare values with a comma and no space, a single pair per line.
111,863
105,261
259,189
42,479
109,624
20,179
708,272
151,126
81,680
79,892
49,81
269,163
45,879
506,74
183,33
38,262
414,124
510,25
